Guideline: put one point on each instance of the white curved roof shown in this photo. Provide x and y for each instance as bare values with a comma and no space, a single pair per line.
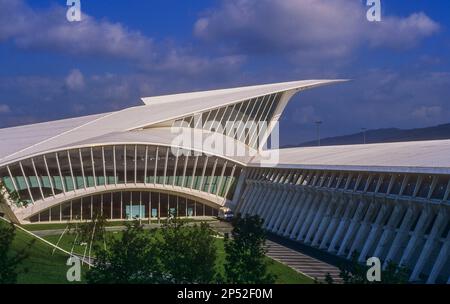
418,157
20,142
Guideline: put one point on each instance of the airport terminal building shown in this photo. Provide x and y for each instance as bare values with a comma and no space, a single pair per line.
172,155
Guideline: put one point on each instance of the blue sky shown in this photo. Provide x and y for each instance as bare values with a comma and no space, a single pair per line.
122,50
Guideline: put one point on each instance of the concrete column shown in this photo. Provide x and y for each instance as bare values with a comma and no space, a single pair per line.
289,211
284,212
259,200
310,233
364,229
263,199
341,205
302,215
376,230
249,187
354,225
252,190
276,205
248,192
416,237
281,205
402,234
297,201
343,224
441,260
325,221
310,215
389,231
433,239
256,201
270,202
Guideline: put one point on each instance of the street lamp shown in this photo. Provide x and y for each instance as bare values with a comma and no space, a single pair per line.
364,134
318,123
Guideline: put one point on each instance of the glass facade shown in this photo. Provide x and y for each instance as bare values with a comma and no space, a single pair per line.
125,205
48,175
420,186
240,120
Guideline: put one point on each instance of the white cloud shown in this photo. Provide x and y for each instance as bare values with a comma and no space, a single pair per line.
307,28
75,80
48,29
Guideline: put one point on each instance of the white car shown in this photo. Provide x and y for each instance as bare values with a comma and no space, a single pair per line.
225,214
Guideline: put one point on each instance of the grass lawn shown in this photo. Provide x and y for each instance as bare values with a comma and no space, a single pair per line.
51,226
285,274
45,268
41,267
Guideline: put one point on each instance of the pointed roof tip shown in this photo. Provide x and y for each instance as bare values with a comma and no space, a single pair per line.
243,92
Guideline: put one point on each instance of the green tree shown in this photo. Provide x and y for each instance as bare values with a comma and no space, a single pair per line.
10,259
134,258
246,262
189,253
93,230
356,273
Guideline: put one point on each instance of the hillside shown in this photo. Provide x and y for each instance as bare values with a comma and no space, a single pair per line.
384,135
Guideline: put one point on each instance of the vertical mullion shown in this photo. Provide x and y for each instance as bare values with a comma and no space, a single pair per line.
38,179
203,173
13,180
156,165
194,171
268,105
115,166
223,116
212,175
60,174
26,182
175,168
228,186
272,103
199,121
184,170
135,165
125,163
262,101
165,166
49,176
241,104
71,171
224,123
221,177
121,205
145,165
207,118
82,169
104,166
93,167
215,117
243,130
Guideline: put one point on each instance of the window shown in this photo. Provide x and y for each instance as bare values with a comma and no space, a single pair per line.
397,185
441,187
425,186
410,186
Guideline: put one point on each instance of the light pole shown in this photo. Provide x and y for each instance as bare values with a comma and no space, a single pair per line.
318,123
364,134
